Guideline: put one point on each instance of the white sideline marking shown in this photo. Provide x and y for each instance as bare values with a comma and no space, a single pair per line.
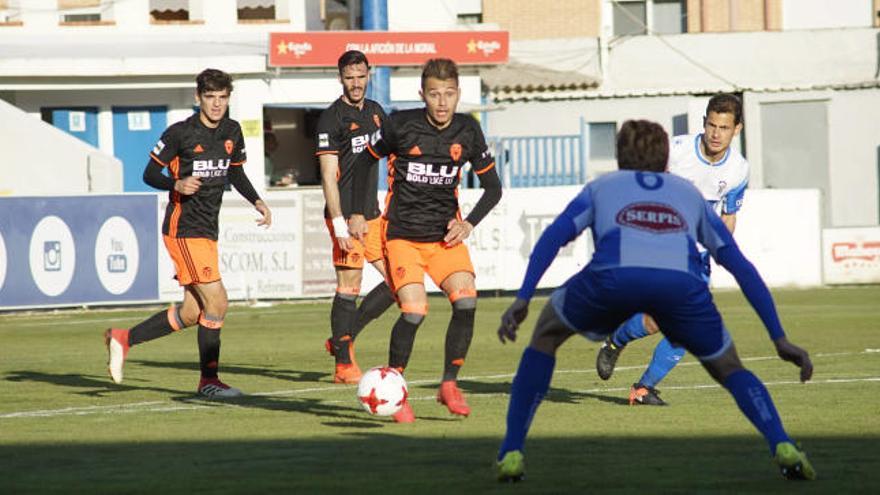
165,406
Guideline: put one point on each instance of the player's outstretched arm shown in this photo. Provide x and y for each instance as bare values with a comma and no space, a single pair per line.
242,184
758,295
511,320
794,354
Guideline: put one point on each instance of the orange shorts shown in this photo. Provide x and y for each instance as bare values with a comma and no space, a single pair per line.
407,262
370,249
195,259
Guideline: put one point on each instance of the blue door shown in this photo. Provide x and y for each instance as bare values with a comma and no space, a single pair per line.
135,132
80,122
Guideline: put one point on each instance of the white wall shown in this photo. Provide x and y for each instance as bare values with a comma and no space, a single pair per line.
853,139
854,148
422,15
42,160
813,14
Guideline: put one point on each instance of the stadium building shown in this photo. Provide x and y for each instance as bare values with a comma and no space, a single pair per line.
87,86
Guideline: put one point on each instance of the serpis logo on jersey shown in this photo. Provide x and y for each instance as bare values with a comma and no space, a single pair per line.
652,217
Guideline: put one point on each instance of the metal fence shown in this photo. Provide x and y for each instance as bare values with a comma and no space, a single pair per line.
537,161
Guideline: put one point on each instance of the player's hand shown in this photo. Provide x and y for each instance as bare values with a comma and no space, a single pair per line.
357,227
511,320
188,185
794,354
346,244
457,231
264,210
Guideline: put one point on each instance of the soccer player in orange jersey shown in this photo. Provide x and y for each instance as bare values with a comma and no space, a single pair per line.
424,229
201,154
343,133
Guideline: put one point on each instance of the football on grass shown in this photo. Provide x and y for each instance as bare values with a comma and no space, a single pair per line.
382,391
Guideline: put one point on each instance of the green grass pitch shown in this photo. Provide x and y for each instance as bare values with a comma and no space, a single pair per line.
65,428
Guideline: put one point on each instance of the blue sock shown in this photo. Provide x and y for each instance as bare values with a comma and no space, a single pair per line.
631,329
755,402
529,387
666,356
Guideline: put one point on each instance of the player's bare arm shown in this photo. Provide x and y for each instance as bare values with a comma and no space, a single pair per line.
266,219
329,173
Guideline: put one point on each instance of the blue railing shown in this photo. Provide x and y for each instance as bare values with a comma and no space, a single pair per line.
537,161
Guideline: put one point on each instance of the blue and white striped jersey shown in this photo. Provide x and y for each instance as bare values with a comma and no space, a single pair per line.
649,220
722,184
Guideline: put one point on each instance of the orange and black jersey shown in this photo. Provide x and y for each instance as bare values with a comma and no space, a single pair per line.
189,148
343,130
425,169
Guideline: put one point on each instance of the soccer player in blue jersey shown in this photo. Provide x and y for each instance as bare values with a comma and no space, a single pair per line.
721,174
646,225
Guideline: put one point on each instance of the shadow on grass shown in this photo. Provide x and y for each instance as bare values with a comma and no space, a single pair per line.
227,368
93,385
555,394
366,462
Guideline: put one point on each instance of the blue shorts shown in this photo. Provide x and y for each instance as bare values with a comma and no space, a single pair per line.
595,303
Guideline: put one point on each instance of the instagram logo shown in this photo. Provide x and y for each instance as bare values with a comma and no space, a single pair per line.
52,256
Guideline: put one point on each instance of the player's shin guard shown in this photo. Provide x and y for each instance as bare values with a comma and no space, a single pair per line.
209,345
342,316
458,336
755,402
158,325
529,387
403,335
373,305
666,356
631,329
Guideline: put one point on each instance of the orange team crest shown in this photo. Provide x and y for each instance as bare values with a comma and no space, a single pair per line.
228,144
377,121
455,151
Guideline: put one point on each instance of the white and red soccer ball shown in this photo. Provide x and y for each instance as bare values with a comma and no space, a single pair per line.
382,391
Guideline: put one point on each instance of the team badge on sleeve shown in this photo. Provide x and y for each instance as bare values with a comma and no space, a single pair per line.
455,151
159,147
323,140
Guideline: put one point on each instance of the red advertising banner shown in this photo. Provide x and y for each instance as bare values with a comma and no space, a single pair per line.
322,49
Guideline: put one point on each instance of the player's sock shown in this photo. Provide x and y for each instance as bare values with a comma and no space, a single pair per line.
209,345
373,305
666,356
158,325
458,336
755,402
631,329
403,335
530,384
342,315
